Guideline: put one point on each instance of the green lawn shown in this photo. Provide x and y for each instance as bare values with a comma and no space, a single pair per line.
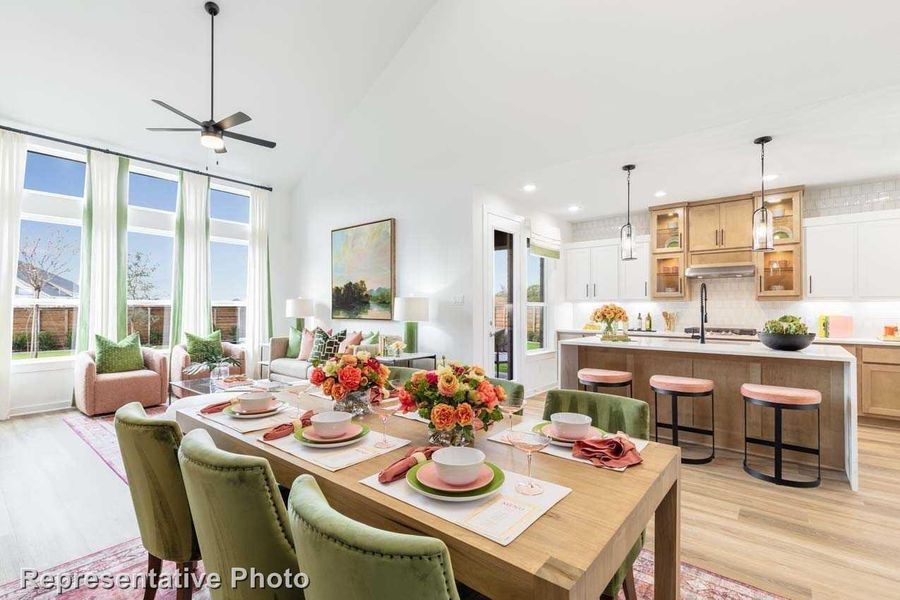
42,354
533,345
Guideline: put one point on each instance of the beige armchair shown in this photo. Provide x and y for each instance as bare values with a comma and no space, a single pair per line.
97,394
181,359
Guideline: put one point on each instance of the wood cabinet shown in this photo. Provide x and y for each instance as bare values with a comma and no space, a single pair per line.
667,276
634,275
667,230
779,273
880,375
786,205
703,227
720,225
830,257
736,223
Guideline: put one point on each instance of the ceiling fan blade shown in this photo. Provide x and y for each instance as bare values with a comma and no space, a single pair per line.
247,138
177,112
173,129
222,150
235,119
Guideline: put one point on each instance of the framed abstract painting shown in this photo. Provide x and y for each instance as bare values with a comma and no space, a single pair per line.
362,271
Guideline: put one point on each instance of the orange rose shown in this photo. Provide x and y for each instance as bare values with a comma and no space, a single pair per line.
443,417
501,393
317,377
349,359
465,414
326,386
338,392
476,372
488,395
384,371
407,402
349,378
418,376
448,385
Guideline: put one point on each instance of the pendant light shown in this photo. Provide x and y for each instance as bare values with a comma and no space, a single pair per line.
763,228
626,233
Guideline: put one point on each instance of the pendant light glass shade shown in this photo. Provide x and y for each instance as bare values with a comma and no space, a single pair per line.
626,233
763,227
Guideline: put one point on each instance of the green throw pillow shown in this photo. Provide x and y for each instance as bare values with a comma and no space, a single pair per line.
199,347
370,338
115,357
295,340
325,346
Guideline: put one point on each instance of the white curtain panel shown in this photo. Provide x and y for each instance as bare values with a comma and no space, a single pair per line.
258,318
102,302
13,151
196,308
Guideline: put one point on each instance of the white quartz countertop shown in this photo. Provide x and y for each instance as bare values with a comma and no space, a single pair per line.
821,352
852,341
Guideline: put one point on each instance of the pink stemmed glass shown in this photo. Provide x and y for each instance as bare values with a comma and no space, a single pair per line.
529,442
384,408
510,407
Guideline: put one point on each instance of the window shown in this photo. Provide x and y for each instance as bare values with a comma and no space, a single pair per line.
228,206
46,290
149,287
228,283
536,303
152,192
54,174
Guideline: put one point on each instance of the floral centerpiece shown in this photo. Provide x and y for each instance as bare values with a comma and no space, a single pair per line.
351,380
456,400
609,315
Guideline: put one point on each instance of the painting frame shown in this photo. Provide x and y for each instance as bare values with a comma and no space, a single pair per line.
338,309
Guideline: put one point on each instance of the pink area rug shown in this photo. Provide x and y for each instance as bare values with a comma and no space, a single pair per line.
130,556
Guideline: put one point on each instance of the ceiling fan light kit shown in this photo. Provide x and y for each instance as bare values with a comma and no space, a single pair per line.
212,133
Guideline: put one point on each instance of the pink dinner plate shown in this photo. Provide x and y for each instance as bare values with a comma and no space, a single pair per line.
273,404
428,476
550,429
353,430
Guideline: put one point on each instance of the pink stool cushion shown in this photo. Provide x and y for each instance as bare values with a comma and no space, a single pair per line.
781,395
603,376
688,385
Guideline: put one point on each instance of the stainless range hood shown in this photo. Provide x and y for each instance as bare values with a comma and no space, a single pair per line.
720,271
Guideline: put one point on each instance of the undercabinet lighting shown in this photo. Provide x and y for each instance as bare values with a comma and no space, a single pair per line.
574,208
529,188
660,193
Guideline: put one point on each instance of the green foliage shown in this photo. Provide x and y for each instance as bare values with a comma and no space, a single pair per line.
46,341
70,334
380,296
352,297
20,342
787,325
156,338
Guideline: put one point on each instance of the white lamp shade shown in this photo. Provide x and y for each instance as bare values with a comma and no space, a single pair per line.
299,307
411,309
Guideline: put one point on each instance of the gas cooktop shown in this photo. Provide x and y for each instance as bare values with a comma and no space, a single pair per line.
722,331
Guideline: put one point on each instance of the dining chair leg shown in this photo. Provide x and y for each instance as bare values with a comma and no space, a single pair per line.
628,585
154,566
185,591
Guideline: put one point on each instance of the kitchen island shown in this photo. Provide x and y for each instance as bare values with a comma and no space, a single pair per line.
827,368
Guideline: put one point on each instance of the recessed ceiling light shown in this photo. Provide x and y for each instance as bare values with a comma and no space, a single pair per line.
771,177
660,193
528,188
574,208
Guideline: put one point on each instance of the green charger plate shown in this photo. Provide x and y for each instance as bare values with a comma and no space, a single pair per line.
495,483
299,435
537,429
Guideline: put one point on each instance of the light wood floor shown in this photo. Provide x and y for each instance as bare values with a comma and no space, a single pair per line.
58,501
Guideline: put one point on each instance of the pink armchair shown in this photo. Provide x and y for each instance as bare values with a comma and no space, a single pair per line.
181,359
97,394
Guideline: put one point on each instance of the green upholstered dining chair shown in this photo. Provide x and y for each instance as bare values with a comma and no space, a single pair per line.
347,559
403,374
240,518
149,450
610,413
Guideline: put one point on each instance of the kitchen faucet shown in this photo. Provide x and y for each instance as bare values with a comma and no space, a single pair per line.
704,317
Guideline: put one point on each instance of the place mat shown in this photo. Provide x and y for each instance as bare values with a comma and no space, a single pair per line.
500,518
248,425
560,451
335,459
412,416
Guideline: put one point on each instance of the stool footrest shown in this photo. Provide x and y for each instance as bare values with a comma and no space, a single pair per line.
685,428
781,480
771,444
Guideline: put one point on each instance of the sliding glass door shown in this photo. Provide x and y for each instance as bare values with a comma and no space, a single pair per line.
504,298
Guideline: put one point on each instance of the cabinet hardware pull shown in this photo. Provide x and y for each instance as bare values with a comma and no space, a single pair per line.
645,288
760,283
680,241
587,290
595,290
810,284
723,236
717,238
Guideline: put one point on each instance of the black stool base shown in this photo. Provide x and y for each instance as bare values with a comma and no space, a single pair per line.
592,386
779,446
675,427
781,480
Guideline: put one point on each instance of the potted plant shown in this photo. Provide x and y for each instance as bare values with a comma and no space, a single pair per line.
786,333
216,362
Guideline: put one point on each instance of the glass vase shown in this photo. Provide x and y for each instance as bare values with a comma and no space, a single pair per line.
219,372
452,437
609,331
356,403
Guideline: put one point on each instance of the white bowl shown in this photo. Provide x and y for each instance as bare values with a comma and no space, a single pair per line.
331,424
571,425
458,465
255,401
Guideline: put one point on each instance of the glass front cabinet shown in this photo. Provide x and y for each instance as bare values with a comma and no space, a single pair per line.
667,230
779,273
787,214
668,276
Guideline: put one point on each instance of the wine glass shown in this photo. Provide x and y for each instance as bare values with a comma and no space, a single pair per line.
384,408
511,406
529,442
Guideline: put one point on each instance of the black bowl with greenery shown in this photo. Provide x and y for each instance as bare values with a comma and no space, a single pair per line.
786,333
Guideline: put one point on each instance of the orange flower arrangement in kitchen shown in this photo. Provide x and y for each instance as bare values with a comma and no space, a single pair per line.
609,315
348,373
456,400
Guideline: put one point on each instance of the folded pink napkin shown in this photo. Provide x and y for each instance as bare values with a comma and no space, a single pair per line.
286,429
616,452
398,469
215,407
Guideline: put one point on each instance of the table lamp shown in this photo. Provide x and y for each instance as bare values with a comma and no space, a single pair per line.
411,310
299,308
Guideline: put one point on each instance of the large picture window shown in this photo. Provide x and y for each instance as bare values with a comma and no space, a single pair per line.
149,287
228,206
54,174
152,192
536,303
228,283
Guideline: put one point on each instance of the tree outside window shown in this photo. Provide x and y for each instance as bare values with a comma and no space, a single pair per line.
536,304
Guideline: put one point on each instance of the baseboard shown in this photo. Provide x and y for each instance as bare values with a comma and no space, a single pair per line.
31,409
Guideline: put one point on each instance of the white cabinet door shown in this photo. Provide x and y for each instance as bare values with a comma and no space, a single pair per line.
878,270
634,279
605,273
578,273
830,261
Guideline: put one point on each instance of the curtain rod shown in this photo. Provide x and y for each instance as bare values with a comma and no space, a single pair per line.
130,157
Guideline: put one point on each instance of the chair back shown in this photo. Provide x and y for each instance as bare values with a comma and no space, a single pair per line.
608,412
149,450
240,517
404,374
347,559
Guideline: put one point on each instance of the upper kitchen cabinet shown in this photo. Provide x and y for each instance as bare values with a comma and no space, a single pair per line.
779,274
578,273
667,277
878,272
720,224
634,275
830,261
592,272
786,205
667,229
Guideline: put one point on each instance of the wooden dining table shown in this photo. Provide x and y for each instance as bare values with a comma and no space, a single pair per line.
572,551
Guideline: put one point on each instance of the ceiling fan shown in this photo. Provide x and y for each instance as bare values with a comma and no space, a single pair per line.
212,133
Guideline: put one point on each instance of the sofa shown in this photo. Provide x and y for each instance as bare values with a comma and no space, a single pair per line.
102,393
282,368
181,359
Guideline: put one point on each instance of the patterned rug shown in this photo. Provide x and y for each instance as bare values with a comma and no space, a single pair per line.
130,556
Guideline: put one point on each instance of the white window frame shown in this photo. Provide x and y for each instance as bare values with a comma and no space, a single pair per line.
543,305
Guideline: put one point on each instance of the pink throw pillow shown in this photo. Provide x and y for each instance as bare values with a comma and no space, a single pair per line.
352,339
306,344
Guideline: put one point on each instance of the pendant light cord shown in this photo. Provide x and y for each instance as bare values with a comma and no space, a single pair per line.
212,63
628,209
762,171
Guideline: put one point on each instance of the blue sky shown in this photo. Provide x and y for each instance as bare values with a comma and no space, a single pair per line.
228,271
54,174
71,237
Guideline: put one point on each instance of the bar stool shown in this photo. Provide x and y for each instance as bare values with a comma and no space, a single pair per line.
687,387
782,398
592,379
